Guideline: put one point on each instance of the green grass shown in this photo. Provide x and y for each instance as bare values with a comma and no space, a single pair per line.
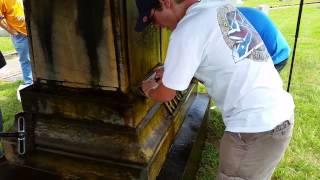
274,3
210,155
8,102
302,159
6,45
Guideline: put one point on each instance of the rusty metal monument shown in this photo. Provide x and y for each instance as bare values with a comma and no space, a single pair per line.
82,116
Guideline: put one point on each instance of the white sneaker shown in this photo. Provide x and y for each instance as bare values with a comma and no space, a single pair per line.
21,86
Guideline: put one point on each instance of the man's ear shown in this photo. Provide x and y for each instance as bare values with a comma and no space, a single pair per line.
166,3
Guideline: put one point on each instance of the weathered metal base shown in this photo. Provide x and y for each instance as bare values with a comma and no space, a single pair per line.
182,160
12,172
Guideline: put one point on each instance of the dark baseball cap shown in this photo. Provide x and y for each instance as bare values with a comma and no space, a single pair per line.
144,9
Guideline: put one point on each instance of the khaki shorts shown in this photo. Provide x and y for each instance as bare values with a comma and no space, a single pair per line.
253,156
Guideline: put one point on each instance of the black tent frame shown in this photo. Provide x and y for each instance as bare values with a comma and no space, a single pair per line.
295,43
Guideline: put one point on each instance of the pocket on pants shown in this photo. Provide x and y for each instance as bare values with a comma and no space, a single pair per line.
19,39
285,133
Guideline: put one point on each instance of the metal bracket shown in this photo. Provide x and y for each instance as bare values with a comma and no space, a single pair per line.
20,135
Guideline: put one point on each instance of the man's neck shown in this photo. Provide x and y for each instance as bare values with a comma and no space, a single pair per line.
182,7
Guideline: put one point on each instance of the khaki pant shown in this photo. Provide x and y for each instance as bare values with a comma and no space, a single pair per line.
253,156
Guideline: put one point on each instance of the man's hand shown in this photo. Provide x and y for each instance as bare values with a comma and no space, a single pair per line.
154,89
5,26
147,85
159,72
13,32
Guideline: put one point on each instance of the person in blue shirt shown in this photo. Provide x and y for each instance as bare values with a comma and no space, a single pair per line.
274,41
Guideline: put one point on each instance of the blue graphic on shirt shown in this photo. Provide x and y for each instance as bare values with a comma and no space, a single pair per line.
245,38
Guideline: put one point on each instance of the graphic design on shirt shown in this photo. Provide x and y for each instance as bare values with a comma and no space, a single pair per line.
240,36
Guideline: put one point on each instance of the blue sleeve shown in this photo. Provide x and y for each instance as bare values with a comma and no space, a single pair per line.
274,41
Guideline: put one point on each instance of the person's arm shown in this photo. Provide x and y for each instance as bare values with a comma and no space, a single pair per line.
157,91
5,26
154,89
162,93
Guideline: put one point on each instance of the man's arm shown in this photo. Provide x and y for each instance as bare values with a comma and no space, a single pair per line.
154,89
162,93
5,26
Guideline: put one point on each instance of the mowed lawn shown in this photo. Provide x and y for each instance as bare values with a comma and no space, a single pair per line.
8,102
302,159
6,45
275,3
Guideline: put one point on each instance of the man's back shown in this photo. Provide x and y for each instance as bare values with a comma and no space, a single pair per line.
229,57
277,46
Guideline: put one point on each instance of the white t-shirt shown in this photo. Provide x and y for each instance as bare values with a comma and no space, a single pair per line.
217,45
